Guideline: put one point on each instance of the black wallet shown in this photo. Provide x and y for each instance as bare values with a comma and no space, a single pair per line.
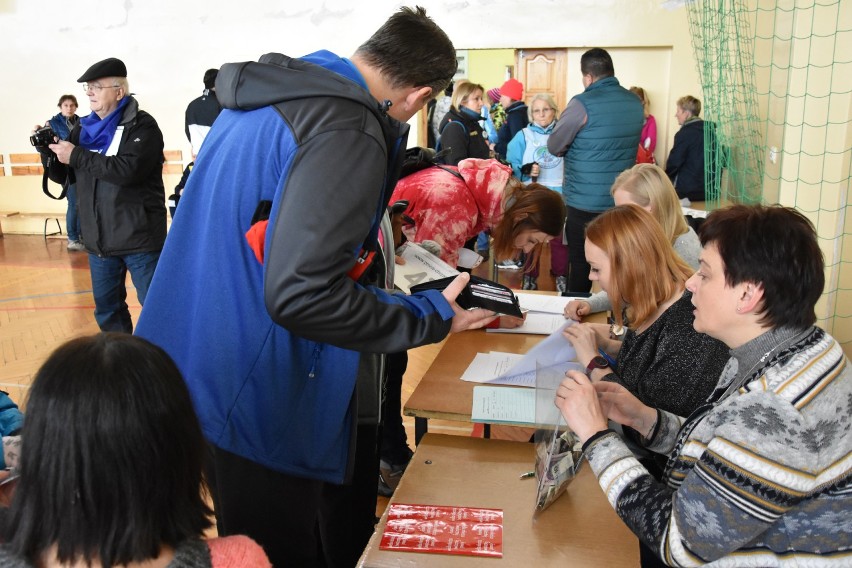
479,293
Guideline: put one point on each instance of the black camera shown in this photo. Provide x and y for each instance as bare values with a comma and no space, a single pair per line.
42,137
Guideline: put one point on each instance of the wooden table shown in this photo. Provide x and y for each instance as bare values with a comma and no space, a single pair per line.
441,394
579,529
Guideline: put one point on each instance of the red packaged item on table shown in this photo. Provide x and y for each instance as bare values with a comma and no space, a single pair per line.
442,529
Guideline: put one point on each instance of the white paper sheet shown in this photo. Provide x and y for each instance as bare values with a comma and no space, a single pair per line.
544,303
552,351
488,366
536,323
468,258
496,405
420,266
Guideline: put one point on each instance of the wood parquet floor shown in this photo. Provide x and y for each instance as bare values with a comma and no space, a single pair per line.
45,300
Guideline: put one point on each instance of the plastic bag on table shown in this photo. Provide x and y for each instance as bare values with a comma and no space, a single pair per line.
559,453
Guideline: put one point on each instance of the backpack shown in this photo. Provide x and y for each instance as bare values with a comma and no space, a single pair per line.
418,158
438,147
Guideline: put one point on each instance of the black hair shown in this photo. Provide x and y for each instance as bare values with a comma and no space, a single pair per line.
776,248
410,50
597,63
210,78
111,457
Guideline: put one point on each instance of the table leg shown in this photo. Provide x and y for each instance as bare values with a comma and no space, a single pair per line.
486,431
421,426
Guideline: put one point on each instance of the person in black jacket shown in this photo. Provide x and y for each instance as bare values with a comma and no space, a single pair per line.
686,164
461,135
512,99
201,112
115,156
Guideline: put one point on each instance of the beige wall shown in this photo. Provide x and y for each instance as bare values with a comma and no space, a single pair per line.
167,46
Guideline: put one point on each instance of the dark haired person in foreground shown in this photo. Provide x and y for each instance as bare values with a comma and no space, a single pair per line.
111,466
267,299
760,474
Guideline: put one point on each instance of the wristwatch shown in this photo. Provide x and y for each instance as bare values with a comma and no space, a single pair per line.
597,362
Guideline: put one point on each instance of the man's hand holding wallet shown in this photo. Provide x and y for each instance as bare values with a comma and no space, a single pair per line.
478,293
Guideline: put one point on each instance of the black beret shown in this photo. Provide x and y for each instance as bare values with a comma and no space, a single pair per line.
111,67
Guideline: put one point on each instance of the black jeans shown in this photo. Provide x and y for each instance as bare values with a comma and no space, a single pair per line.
575,236
394,443
297,521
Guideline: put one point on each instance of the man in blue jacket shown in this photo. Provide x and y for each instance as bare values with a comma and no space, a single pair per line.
262,298
597,133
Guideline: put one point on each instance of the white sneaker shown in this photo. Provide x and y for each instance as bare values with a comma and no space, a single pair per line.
76,246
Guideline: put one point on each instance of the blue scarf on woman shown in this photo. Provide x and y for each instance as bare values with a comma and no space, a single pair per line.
97,134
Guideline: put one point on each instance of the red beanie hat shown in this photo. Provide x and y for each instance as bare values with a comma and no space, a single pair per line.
513,89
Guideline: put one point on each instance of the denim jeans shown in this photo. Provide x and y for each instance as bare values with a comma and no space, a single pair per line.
108,286
482,241
72,220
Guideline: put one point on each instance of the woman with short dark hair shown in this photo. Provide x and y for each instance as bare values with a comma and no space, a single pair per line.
111,465
759,475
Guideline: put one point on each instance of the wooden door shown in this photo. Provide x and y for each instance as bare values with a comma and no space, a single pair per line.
543,71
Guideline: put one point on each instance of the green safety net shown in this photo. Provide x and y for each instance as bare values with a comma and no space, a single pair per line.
776,78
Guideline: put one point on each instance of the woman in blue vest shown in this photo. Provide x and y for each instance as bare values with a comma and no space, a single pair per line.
531,162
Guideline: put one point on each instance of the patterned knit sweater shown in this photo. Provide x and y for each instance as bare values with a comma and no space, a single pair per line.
760,475
223,552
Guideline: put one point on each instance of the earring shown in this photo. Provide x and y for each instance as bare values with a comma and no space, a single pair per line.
739,309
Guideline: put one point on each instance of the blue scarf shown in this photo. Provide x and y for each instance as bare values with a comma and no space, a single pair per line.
97,134
469,113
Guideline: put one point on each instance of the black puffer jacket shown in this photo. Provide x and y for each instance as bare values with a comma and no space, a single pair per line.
465,139
686,164
121,198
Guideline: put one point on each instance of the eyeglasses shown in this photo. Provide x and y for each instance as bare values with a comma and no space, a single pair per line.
97,88
543,110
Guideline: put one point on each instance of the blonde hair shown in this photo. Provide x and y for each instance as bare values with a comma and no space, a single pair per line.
542,97
633,241
690,104
462,91
649,186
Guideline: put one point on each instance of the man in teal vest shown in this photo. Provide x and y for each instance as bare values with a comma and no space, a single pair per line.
597,134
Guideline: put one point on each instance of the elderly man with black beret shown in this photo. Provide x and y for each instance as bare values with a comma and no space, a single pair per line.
116,156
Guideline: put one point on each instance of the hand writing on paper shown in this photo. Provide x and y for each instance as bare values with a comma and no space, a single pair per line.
511,322
465,319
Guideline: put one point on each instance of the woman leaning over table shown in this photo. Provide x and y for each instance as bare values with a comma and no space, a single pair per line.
450,205
647,186
760,474
662,359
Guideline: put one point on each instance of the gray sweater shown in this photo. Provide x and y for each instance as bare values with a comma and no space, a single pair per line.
758,476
